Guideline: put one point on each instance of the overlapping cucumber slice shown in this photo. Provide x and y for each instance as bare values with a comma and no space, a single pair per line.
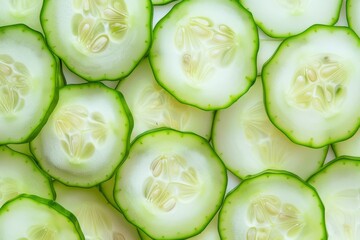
338,184
98,40
272,205
153,107
28,83
97,218
86,137
171,184
21,12
311,86
210,57
19,174
248,143
284,18
33,217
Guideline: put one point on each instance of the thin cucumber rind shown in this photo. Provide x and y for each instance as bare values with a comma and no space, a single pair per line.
107,189
348,130
80,175
93,69
246,77
161,2
36,121
337,160
233,197
51,204
176,234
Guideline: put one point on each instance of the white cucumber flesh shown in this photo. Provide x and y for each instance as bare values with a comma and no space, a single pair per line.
98,40
311,87
209,53
272,205
171,185
248,143
86,136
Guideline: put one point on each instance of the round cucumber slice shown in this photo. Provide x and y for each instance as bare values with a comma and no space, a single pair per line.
86,137
28,83
19,174
248,143
349,147
272,205
311,86
153,107
97,218
21,12
338,184
204,52
171,184
33,217
284,18
98,40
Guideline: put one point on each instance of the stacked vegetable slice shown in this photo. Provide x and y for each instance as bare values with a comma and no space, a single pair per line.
187,119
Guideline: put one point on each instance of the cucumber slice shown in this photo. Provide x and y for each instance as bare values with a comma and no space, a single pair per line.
272,205
204,52
153,107
311,87
97,218
28,82
284,18
349,147
21,12
352,15
86,136
19,174
338,184
33,217
171,184
248,143
98,40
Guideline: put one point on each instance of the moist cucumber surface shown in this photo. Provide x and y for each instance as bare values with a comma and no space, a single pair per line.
284,18
153,107
171,184
338,185
272,205
19,174
28,83
97,218
349,147
33,217
352,15
86,137
210,53
98,40
21,12
311,86
248,143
